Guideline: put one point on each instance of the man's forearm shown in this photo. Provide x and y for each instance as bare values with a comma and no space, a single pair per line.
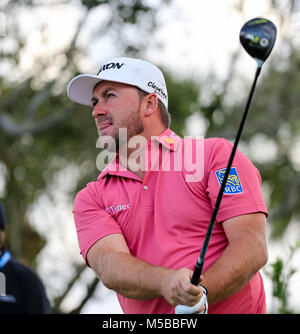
240,260
130,276
133,278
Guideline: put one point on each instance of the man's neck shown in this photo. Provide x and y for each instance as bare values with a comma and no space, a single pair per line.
135,157
135,160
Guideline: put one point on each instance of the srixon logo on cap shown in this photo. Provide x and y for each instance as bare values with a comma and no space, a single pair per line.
110,66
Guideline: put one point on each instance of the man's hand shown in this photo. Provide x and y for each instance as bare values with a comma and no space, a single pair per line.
201,307
177,289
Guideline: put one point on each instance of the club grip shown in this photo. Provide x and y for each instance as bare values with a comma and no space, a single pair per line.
196,274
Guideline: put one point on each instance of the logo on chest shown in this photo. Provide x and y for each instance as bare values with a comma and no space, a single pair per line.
114,209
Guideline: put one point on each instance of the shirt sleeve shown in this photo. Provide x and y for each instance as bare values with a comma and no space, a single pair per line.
242,194
92,221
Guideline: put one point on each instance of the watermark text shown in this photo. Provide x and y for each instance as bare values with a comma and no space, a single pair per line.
157,154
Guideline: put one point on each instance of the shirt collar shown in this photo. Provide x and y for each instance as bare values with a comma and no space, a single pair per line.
167,138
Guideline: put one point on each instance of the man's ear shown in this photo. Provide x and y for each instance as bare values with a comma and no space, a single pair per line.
151,104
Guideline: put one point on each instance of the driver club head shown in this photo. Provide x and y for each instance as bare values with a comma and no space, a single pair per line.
258,36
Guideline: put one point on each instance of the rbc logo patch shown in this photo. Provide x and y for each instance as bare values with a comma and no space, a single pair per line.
233,184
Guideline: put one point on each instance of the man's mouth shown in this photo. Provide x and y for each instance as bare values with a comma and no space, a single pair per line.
104,125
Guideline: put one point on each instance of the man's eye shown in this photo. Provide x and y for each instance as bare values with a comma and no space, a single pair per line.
109,95
94,103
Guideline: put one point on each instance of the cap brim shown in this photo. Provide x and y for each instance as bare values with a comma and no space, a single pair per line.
80,88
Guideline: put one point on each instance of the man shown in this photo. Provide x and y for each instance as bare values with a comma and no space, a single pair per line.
141,229
22,292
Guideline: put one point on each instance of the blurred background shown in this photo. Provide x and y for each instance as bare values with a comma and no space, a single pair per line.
48,144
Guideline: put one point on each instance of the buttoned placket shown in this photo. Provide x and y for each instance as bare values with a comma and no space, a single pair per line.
146,193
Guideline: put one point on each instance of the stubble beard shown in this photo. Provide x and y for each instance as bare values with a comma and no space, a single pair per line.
133,126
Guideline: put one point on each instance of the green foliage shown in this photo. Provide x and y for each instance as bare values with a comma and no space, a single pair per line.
93,3
280,273
280,105
182,95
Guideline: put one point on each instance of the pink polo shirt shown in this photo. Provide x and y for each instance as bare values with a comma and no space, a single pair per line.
164,218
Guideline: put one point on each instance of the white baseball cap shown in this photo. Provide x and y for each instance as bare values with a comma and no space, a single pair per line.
135,72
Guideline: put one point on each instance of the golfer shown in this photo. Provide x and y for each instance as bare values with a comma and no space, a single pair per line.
141,225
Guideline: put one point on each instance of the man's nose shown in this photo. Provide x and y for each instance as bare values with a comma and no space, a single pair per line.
98,111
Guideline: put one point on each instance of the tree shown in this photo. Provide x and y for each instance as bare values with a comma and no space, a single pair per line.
281,272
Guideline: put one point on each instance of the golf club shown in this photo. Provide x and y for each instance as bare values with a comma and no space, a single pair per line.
257,36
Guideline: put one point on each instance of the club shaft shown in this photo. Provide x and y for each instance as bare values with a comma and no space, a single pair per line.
200,262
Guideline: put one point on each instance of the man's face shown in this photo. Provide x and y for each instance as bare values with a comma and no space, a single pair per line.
117,106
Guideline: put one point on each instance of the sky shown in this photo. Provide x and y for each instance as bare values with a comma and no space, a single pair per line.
195,37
